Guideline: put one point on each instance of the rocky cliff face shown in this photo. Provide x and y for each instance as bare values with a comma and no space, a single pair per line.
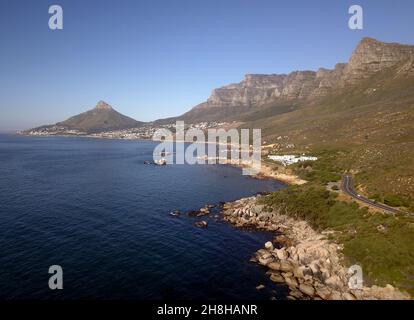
102,105
369,57
327,80
254,89
299,85
372,56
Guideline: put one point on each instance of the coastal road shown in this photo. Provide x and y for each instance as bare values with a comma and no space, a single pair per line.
349,190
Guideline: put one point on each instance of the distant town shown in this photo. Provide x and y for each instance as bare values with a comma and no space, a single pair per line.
143,132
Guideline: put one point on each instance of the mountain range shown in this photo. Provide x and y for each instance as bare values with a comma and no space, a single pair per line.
363,111
303,87
270,94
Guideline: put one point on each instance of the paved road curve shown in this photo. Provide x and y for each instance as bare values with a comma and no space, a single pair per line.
348,189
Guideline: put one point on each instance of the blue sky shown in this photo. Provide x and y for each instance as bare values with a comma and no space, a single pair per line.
155,59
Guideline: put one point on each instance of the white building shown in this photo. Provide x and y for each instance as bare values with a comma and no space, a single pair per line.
291,159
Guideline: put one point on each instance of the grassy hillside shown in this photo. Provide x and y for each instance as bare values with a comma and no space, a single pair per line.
367,130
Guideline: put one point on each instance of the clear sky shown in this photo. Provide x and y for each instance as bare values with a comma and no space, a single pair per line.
153,59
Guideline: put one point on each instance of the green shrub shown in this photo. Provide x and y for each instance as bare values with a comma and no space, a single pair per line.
323,170
376,197
382,244
394,200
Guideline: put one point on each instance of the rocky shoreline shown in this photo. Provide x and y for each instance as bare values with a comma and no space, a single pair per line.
301,258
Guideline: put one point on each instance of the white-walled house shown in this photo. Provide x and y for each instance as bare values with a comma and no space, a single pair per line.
291,159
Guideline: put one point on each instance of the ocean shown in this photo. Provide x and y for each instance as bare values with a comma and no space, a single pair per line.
93,207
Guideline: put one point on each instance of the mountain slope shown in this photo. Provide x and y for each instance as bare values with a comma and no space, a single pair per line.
369,129
358,117
101,118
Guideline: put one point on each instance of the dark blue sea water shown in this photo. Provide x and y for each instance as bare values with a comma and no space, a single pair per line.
94,208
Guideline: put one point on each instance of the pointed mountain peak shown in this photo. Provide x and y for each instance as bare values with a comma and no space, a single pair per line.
102,105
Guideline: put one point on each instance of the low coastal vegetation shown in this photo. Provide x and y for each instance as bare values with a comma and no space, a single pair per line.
380,243
326,169
302,257
332,163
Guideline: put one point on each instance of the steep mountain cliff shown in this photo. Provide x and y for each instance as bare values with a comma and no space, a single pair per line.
361,114
372,56
256,90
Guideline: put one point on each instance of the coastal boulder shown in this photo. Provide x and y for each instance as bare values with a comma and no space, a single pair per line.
307,289
323,292
286,266
260,287
201,224
281,253
302,271
203,211
269,245
290,281
315,268
265,259
334,281
277,278
274,266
